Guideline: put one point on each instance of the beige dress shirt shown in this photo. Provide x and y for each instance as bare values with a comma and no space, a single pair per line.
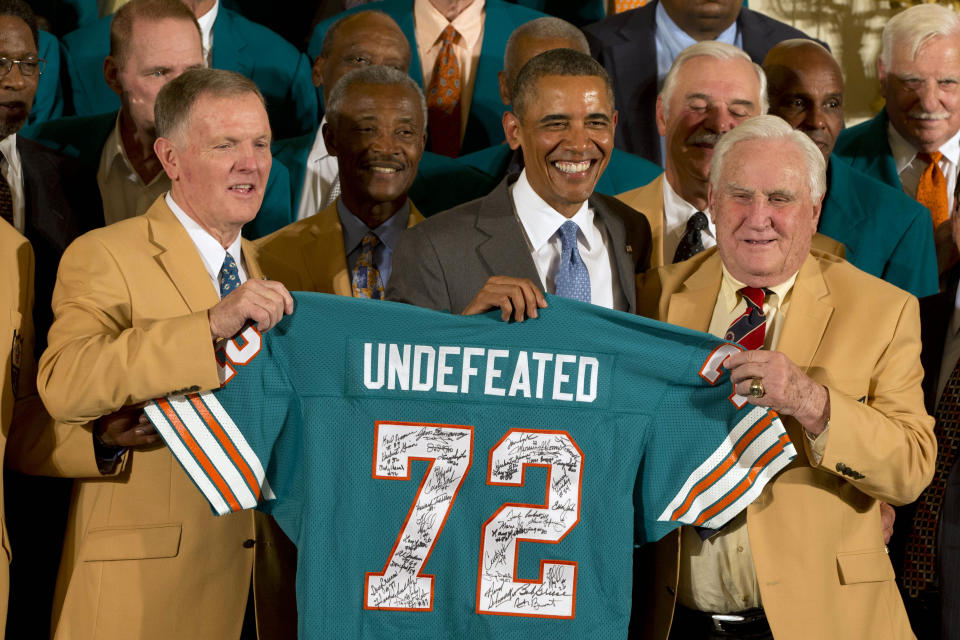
123,192
429,25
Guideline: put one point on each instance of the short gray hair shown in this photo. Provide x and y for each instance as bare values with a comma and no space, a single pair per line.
718,51
546,28
766,127
374,74
556,62
176,99
915,26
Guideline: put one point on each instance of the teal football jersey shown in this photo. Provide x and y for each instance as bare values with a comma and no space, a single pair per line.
448,476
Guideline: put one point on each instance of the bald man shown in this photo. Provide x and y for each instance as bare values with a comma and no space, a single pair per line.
886,233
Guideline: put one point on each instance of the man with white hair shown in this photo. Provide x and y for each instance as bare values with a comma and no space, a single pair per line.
806,559
711,88
914,143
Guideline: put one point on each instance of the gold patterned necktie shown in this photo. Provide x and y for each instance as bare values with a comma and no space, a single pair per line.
919,568
443,98
366,281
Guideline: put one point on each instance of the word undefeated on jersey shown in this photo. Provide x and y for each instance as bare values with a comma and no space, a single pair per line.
447,476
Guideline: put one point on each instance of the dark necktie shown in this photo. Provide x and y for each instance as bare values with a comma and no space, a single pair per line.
229,277
6,199
749,331
443,98
920,568
692,242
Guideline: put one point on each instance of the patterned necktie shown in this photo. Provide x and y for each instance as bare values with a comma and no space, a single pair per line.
573,279
443,98
6,199
692,242
332,194
229,277
919,566
932,188
619,6
749,331
366,282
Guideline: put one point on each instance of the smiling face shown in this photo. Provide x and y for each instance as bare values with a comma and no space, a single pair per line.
763,211
923,94
16,89
806,90
219,162
566,135
378,137
709,98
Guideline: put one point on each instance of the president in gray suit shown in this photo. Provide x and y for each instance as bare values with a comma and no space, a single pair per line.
545,231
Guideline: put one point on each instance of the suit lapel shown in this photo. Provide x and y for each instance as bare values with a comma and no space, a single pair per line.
325,256
178,256
505,251
405,21
808,315
841,213
626,267
755,34
228,52
692,305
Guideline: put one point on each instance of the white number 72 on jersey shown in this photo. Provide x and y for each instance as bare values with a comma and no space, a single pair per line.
403,586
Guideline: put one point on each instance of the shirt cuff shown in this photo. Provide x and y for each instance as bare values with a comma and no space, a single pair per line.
817,444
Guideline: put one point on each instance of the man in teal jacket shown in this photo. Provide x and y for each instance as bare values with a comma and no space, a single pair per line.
886,232
280,71
501,18
625,171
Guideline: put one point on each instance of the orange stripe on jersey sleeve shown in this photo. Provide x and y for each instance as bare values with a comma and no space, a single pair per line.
217,430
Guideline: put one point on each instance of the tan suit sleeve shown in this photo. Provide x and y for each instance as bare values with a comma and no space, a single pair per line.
100,356
885,445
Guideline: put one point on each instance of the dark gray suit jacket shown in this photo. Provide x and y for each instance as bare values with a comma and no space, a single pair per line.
625,45
444,261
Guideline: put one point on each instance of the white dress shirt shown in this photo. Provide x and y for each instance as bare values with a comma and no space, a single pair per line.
13,171
318,177
209,248
541,223
909,168
206,31
676,213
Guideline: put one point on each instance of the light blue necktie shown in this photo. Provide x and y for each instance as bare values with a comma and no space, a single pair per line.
229,277
573,279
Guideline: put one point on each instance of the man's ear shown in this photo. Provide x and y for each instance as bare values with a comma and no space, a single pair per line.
511,129
661,118
111,73
316,71
169,157
331,140
504,89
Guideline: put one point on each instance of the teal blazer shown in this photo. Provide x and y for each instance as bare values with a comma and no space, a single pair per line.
887,233
484,127
83,138
441,183
48,101
865,148
624,172
276,66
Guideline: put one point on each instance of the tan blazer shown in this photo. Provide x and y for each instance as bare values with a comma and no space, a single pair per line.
308,255
815,530
648,200
144,556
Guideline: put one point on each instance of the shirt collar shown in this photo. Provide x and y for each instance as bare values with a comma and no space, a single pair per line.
206,27
319,149
211,251
540,221
354,229
8,147
904,153
730,286
431,23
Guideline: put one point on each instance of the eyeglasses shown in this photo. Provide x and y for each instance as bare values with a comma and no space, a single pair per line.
27,67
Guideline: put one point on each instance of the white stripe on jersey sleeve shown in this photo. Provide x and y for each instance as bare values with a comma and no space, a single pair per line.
182,454
243,447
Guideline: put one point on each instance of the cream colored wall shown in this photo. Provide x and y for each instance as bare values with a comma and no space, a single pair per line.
852,29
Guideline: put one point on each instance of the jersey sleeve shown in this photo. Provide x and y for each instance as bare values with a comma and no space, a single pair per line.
710,453
228,441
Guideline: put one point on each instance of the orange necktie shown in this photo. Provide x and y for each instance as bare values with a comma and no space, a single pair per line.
619,6
932,188
443,98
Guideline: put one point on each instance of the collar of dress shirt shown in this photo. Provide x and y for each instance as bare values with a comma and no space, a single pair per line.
676,212
319,149
354,228
904,153
206,28
730,298
540,221
430,23
11,161
114,152
211,252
